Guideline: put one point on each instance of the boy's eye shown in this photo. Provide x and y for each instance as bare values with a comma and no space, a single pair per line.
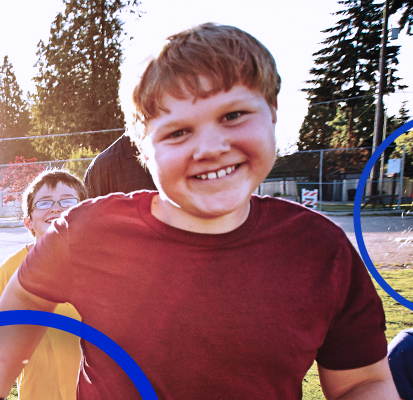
233,115
177,134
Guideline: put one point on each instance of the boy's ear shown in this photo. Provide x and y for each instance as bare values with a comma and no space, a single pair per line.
28,223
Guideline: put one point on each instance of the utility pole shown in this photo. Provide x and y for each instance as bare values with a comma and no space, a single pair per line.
379,118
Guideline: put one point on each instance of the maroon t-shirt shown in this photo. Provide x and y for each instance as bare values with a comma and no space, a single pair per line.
239,315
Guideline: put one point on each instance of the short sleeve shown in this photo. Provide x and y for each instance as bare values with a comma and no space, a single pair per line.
9,268
46,270
355,337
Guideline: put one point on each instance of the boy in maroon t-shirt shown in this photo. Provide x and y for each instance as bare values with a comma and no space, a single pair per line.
214,292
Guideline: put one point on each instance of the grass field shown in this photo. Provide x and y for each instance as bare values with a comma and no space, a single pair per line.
397,317
331,206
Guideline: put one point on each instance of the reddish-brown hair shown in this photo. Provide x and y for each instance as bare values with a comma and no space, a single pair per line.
223,54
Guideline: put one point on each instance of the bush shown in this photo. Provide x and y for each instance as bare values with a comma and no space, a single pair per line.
17,176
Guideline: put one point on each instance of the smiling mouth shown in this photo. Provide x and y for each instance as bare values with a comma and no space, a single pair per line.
49,221
218,174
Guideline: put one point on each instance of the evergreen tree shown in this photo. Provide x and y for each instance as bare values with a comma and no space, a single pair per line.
14,116
315,131
403,115
78,79
407,13
347,69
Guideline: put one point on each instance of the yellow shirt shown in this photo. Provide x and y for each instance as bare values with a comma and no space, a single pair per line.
52,371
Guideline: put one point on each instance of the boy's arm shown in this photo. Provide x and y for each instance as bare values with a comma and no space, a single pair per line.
18,342
373,382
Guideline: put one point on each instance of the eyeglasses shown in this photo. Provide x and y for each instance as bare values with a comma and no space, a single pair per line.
64,203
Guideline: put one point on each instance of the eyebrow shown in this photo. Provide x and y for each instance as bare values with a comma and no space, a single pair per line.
177,123
182,123
49,197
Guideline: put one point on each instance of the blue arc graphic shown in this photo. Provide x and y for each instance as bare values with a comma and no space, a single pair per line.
357,211
86,332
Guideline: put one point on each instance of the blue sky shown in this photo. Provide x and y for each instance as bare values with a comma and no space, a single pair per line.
290,30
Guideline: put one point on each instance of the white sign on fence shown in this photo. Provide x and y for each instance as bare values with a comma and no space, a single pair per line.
309,198
393,167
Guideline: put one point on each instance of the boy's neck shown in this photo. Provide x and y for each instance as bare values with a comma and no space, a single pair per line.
172,215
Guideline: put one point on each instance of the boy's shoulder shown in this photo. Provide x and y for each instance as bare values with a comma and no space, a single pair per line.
117,199
8,268
284,209
110,205
16,258
298,221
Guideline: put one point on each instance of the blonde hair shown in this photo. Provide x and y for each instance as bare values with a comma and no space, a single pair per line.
223,54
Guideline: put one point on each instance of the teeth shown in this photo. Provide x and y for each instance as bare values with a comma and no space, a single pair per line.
214,175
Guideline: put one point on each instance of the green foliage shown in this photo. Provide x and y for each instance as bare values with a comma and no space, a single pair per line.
78,79
407,140
346,68
398,317
315,131
13,394
14,116
78,168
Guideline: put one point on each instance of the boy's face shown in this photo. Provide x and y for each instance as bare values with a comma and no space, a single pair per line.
40,220
207,156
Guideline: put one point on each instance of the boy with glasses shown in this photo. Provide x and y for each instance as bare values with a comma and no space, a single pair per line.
53,368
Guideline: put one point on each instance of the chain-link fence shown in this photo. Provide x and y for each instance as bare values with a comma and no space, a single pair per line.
320,178
315,178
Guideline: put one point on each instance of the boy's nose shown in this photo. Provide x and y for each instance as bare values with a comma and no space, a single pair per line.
56,207
210,143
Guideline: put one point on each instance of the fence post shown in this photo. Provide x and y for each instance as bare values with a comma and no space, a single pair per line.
401,178
320,180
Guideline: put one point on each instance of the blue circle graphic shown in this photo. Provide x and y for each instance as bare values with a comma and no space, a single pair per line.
357,211
86,332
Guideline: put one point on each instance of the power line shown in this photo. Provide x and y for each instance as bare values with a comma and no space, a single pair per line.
44,162
348,98
63,134
355,97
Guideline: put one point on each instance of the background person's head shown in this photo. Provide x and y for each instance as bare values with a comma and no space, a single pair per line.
221,54
50,186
